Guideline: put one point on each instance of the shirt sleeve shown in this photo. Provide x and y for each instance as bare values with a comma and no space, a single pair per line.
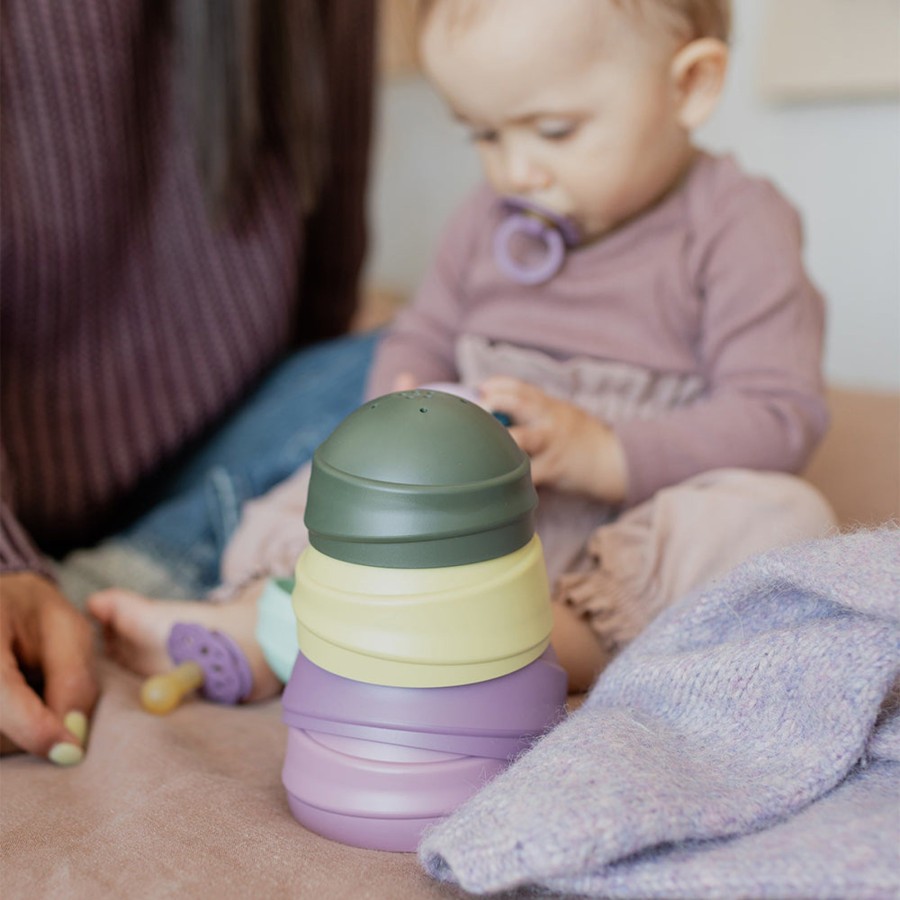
336,230
760,352
422,339
18,552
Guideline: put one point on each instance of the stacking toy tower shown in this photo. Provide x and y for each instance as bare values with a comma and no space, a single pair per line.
423,621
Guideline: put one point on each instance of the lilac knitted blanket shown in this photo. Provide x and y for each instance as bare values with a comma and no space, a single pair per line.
746,745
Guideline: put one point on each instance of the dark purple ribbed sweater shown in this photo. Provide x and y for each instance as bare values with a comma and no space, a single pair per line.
130,322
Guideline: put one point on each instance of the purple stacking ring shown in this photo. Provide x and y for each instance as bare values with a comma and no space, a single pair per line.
526,219
374,795
373,765
497,719
226,673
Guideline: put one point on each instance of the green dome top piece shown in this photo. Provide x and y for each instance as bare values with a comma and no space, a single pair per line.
418,479
421,437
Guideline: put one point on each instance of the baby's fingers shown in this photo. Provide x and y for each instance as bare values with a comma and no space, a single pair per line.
529,439
521,401
533,442
405,381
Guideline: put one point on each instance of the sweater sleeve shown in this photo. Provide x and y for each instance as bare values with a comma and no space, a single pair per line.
422,339
17,551
760,352
336,230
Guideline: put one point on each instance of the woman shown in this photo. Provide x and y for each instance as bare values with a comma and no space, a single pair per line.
183,211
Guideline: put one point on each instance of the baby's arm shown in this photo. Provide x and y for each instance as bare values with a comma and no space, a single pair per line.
760,353
420,346
417,349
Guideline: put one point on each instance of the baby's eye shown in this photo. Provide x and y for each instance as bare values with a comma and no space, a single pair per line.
556,129
483,135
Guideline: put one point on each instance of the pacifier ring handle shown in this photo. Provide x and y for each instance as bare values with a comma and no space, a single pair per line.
529,226
527,219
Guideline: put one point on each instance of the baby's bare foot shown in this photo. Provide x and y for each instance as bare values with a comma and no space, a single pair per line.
136,629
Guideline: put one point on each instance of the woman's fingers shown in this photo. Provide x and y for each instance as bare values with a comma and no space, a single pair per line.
41,632
26,722
69,680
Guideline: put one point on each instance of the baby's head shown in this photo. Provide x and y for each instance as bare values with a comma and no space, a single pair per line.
584,107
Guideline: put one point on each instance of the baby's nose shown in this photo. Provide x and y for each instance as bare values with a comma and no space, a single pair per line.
525,175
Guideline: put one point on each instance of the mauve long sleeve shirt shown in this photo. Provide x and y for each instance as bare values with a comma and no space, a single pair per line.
710,282
130,322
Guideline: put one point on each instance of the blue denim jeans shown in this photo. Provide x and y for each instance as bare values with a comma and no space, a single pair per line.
274,432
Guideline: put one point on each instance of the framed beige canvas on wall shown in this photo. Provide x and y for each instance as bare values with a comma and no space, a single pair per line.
830,49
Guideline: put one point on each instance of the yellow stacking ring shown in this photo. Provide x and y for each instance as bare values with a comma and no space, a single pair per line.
423,627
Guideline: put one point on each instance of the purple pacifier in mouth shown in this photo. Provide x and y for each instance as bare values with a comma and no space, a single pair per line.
527,220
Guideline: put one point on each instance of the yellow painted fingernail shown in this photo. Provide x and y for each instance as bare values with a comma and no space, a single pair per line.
76,722
65,754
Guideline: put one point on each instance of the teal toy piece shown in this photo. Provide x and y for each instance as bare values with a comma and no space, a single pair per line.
420,479
276,626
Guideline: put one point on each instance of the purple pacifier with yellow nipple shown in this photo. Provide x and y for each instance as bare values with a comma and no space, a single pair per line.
530,244
205,660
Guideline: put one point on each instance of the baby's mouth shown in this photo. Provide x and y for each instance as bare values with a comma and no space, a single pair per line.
530,244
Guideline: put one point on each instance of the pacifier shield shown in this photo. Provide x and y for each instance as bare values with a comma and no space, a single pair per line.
227,676
530,244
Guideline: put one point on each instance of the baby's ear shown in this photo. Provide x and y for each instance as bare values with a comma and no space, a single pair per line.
698,75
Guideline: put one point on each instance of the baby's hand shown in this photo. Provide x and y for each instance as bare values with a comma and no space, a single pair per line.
405,381
570,450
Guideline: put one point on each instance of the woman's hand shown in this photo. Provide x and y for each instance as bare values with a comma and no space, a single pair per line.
570,450
40,630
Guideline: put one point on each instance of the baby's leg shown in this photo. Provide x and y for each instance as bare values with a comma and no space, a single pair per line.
682,538
579,650
136,629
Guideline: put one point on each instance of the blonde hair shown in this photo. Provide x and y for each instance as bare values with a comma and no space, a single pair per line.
689,19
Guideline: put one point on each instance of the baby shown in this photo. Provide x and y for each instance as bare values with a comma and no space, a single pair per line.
637,307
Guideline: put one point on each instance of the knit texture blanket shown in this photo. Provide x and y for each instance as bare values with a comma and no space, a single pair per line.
746,745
